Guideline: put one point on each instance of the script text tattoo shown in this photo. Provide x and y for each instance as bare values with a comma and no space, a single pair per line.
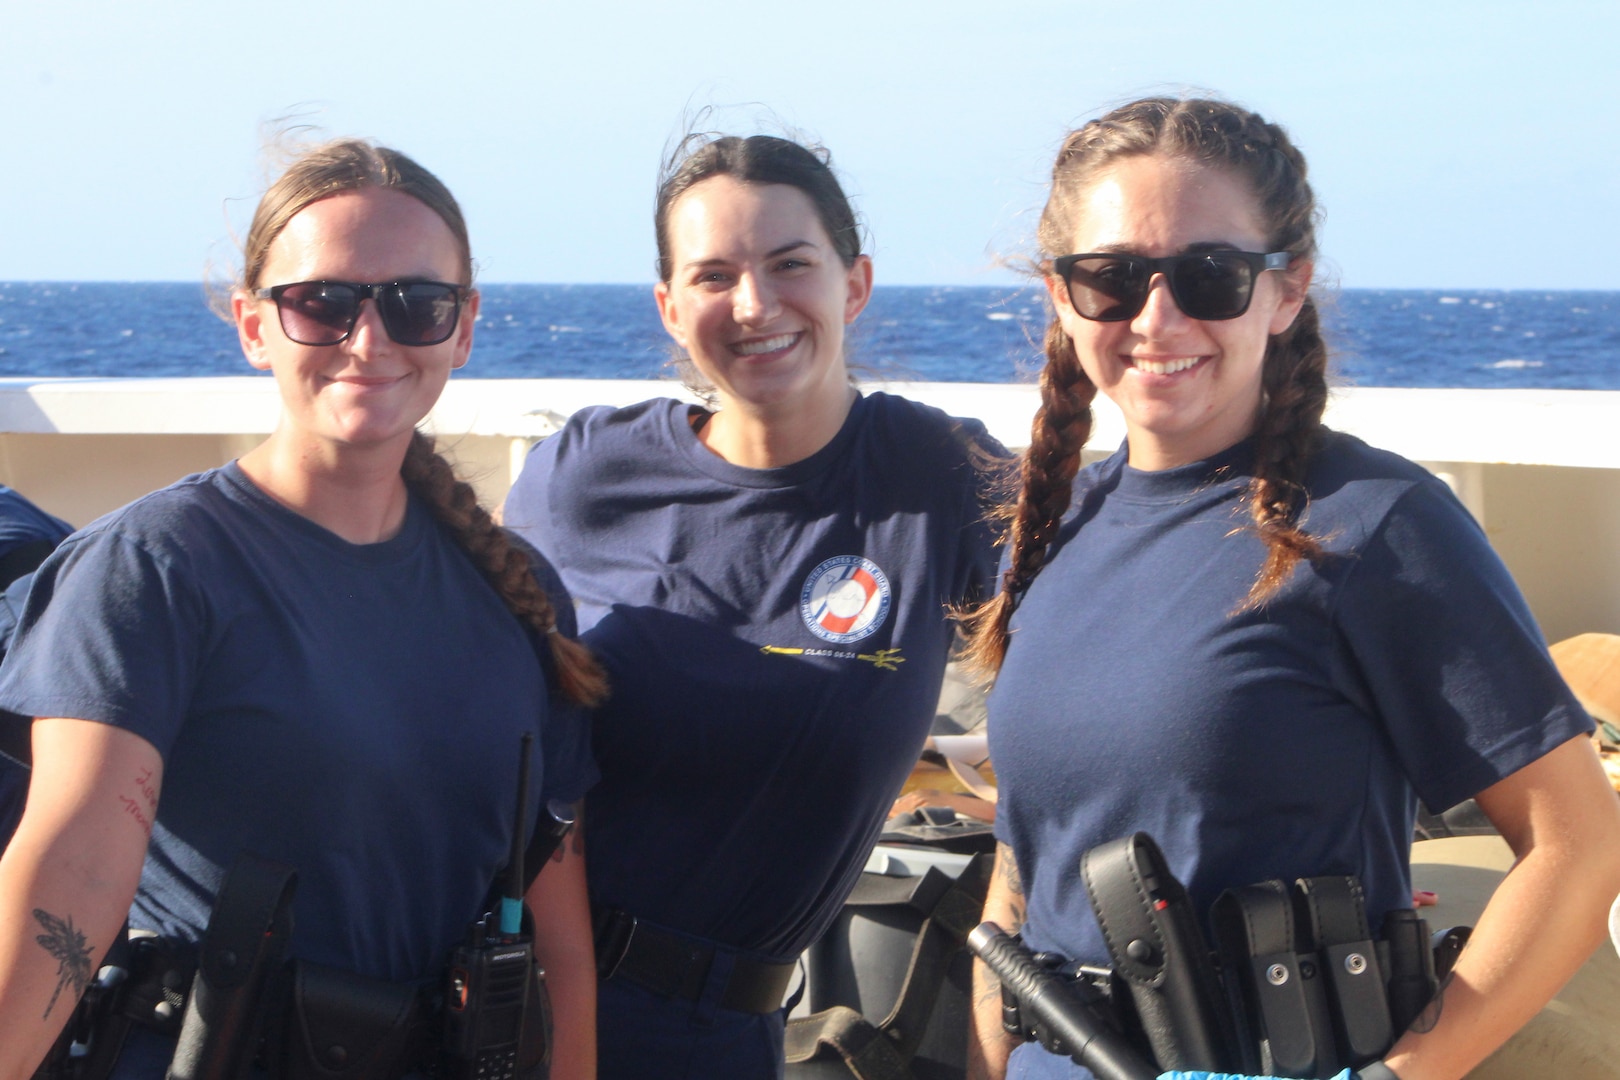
142,805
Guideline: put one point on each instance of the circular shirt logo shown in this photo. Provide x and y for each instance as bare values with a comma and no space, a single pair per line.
844,599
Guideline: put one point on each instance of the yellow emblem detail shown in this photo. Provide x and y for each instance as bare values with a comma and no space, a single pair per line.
883,659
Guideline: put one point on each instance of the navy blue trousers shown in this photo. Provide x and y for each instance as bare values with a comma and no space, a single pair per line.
641,1035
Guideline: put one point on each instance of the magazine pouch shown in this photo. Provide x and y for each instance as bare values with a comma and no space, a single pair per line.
343,1026
1284,999
1331,915
1159,954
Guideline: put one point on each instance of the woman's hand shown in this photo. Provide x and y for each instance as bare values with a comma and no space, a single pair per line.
562,945
67,878
1560,817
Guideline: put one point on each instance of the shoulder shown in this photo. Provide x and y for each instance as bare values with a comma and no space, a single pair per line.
599,448
1357,491
635,427
602,437
912,431
170,520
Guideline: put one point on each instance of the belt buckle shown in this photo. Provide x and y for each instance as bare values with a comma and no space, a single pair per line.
613,937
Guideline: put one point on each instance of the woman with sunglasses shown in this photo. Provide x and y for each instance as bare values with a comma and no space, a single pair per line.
1255,639
322,654
767,584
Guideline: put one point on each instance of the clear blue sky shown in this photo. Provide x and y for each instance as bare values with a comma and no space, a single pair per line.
1453,144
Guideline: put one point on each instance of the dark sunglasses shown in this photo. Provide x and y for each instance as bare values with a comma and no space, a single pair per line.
1208,285
324,312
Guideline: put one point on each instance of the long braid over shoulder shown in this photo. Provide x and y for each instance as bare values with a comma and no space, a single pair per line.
454,505
1061,427
1294,379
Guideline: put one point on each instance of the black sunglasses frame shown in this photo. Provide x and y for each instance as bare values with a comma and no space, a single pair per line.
1169,266
375,293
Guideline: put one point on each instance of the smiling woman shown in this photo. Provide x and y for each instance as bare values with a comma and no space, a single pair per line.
1255,639
767,583
323,655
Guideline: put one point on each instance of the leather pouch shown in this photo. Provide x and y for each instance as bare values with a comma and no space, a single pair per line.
1159,954
343,1026
241,952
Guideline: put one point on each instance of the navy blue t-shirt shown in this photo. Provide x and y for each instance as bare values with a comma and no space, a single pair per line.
353,710
775,639
1275,743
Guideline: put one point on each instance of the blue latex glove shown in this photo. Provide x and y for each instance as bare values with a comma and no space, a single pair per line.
1345,1075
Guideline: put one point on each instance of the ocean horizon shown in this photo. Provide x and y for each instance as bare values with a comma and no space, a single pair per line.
933,333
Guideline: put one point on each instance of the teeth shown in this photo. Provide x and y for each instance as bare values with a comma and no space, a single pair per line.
1167,367
754,348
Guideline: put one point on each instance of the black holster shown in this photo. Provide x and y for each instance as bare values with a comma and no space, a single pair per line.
243,948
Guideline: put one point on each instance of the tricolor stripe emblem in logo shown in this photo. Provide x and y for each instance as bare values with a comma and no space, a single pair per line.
845,599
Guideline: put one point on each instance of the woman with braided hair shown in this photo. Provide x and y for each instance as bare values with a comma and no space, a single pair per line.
1255,639
323,654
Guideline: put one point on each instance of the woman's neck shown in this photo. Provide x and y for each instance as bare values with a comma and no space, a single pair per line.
766,437
357,493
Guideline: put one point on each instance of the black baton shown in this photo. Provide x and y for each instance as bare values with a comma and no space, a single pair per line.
1053,1006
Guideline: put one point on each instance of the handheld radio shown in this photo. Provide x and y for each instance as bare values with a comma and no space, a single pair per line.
492,983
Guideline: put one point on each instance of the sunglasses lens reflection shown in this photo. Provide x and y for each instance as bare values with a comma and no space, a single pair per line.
419,313
318,313
1107,290
1212,287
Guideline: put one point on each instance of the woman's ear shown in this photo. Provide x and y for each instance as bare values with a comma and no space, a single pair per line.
249,315
860,288
669,312
1296,287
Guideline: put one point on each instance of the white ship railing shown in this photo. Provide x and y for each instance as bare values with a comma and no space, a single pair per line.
1540,469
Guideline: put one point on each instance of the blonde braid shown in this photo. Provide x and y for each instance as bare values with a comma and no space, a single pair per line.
454,505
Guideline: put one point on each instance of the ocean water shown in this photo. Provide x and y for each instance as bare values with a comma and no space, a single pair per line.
1559,340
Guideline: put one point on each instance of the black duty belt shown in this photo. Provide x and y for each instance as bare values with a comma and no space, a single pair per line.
680,967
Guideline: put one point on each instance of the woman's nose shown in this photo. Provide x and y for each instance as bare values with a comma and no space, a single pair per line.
369,333
753,301
1160,310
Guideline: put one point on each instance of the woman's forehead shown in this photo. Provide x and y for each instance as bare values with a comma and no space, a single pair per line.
1158,205
723,216
369,234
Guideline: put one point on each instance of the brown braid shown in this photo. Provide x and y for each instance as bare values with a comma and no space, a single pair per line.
1289,427
1060,429
455,506
1286,437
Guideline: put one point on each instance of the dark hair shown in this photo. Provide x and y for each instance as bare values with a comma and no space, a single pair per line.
355,165
756,159
1294,373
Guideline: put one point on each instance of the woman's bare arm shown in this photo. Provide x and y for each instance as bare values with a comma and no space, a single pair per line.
988,1044
562,943
1561,819
68,876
